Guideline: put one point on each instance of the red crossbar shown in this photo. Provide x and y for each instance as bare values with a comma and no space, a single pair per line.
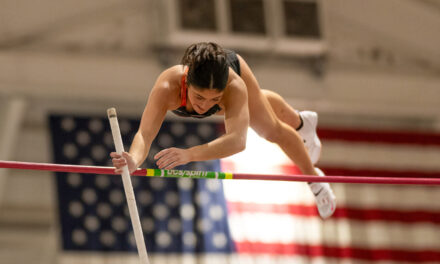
242,176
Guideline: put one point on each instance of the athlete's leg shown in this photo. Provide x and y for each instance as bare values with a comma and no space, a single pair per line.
282,109
265,122
304,122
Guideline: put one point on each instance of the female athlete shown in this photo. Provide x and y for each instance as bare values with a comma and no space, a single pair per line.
212,80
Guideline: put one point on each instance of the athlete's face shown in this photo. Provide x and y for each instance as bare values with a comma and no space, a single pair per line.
203,99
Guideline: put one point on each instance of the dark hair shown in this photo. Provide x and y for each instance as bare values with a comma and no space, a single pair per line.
207,66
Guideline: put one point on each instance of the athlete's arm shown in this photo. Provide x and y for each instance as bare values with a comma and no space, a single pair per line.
233,141
152,119
236,125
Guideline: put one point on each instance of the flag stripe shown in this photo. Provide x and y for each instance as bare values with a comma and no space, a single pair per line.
403,198
373,254
288,229
386,156
389,137
362,172
370,214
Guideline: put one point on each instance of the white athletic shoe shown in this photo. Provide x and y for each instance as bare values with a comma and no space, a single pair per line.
308,134
325,199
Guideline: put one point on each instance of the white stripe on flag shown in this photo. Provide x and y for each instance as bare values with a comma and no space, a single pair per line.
406,198
378,155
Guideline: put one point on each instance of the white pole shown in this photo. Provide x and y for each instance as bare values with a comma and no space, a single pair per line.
129,193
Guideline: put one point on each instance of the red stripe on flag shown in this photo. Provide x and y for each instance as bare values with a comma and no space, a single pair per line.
361,214
363,172
342,171
407,217
372,254
372,136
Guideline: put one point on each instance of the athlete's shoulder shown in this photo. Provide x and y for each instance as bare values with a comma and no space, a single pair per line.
167,87
172,73
174,70
169,80
235,81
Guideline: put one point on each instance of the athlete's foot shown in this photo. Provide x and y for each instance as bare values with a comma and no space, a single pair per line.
308,134
325,199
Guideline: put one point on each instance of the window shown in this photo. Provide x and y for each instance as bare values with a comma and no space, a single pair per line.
247,16
301,19
284,27
197,14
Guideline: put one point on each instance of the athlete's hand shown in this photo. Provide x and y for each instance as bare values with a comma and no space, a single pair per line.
120,161
172,157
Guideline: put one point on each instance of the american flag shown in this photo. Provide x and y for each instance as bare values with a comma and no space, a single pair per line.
372,224
252,221
177,215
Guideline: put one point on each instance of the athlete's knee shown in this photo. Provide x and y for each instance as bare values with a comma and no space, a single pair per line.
271,95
